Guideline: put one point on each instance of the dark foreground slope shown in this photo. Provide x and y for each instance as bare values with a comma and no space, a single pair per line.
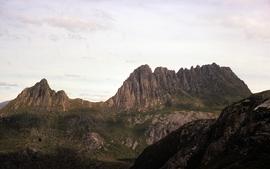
239,139
61,159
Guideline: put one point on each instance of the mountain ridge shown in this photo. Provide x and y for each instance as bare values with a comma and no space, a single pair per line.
202,87
145,89
43,120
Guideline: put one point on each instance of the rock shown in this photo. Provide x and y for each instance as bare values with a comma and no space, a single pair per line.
200,88
136,91
41,97
206,86
239,138
186,140
265,104
94,141
163,125
130,143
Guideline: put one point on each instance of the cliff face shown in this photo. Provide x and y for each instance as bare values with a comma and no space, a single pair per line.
161,126
209,85
41,97
239,138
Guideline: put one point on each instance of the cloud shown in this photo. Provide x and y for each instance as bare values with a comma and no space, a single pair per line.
74,24
132,61
29,20
5,84
89,58
94,97
69,23
72,76
245,2
75,36
252,27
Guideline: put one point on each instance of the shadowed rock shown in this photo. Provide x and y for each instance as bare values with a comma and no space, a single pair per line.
238,139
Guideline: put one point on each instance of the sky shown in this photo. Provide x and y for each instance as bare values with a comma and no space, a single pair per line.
89,47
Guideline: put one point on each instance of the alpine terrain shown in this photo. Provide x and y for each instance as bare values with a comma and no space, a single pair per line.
43,127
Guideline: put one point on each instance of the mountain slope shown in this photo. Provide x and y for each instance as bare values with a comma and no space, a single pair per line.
198,88
238,139
41,97
43,120
3,104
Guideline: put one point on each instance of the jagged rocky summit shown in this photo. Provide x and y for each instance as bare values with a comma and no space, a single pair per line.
196,88
41,97
239,138
207,88
115,129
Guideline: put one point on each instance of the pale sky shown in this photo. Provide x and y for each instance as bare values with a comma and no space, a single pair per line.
89,47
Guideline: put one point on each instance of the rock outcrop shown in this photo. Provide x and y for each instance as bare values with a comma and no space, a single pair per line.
162,125
195,88
41,97
94,141
239,138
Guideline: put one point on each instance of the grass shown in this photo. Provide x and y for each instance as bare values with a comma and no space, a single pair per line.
47,132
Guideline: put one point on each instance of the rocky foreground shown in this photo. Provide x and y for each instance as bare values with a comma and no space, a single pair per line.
238,139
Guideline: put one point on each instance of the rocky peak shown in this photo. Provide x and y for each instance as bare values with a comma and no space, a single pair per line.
41,97
161,70
43,82
136,90
40,89
143,69
208,84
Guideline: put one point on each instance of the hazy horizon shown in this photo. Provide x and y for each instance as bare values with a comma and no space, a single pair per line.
88,47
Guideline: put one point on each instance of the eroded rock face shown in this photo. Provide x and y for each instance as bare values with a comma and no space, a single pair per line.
239,138
94,141
130,143
138,91
41,97
201,86
163,125
241,134
183,142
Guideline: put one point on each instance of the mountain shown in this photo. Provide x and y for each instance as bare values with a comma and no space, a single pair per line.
41,97
196,88
239,138
3,104
148,106
207,88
